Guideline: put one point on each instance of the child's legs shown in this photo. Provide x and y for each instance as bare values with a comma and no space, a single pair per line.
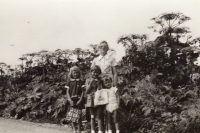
105,119
115,119
79,125
109,119
74,126
92,121
100,112
88,116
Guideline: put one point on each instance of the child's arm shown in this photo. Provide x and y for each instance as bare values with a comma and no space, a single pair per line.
88,85
115,76
82,96
99,85
118,98
68,97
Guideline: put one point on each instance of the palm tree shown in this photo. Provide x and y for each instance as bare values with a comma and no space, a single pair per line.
22,59
30,57
2,65
169,23
194,45
66,53
132,41
195,41
124,41
7,69
86,52
61,55
180,32
77,52
143,38
19,69
42,54
50,57
11,70
94,47
188,39
2,71
58,54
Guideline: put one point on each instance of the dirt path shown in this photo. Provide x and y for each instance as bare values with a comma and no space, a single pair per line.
17,126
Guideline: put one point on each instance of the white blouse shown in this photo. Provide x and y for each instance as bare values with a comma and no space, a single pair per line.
105,62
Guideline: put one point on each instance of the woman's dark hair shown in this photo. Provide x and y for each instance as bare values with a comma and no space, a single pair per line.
103,42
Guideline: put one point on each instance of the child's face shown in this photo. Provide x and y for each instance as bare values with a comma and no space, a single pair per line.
75,74
95,74
107,83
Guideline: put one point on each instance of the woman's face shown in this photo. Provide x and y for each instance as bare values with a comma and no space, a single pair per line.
103,48
95,74
75,74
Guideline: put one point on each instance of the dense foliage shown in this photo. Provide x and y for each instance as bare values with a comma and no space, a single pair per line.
158,80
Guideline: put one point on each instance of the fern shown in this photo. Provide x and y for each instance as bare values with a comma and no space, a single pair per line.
34,96
59,107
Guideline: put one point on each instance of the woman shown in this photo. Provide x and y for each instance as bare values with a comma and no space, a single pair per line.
106,61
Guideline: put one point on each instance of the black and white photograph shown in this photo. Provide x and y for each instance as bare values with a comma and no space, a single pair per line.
99,66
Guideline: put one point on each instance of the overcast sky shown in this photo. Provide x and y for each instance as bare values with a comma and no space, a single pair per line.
34,25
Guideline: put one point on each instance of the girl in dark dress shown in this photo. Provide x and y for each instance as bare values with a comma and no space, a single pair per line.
75,94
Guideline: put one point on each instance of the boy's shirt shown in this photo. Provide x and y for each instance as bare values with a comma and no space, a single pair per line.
112,95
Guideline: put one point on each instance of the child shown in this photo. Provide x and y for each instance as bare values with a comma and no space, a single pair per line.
92,84
75,94
113,102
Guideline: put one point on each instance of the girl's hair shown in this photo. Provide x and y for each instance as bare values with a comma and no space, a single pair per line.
105,76
74,68
95,67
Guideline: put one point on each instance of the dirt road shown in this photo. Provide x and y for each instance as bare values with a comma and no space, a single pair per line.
17,126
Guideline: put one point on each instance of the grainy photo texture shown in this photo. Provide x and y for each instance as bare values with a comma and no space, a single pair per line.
100,66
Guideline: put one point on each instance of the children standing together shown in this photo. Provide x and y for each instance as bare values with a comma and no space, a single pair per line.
76,89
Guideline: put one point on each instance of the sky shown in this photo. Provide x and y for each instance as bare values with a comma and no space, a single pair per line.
35,25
